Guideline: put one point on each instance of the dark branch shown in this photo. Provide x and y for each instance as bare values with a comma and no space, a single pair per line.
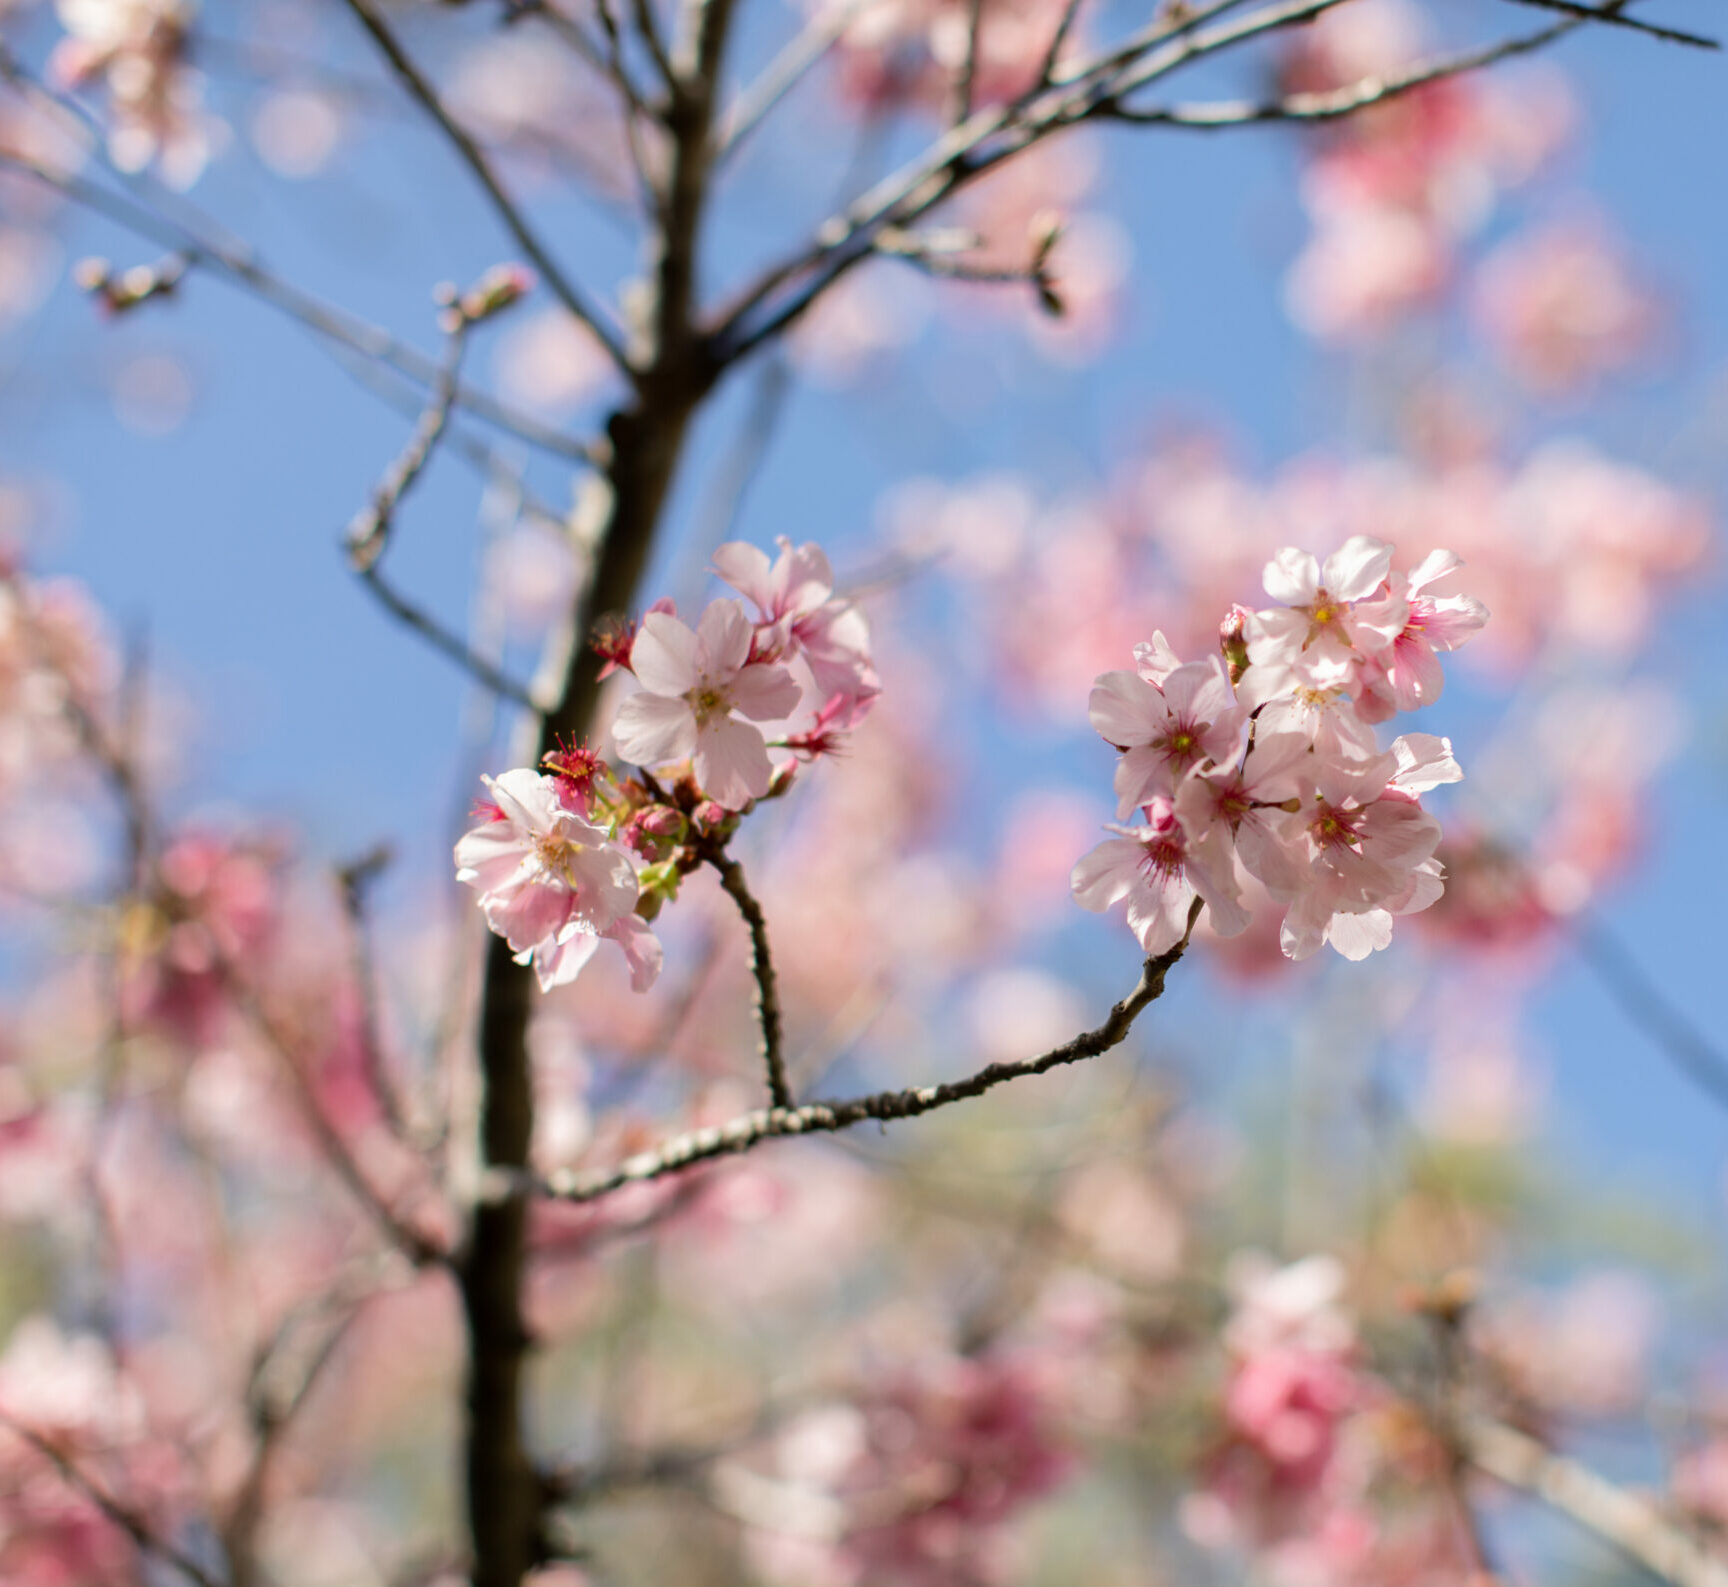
1618,18
562,287
762,967
817,1118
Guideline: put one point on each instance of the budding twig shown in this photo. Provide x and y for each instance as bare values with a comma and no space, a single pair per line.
819,1118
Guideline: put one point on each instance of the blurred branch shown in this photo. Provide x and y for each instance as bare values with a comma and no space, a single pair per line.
1338,102
336,325
968,74
354,882
419,1248
762,967
442,639
143,1536
1632,1524
561,286
782,75
1093,90
1053,55
1644,1003
1614,15
815,1118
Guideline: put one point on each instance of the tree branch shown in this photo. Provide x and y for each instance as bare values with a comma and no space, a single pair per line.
818,1118
762,967
144,1539
561,286
1615,16
1633,1525
325,320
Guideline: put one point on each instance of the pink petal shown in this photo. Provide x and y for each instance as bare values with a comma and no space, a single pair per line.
1126,709
1106,875
747,569
722,639
642,950
651,729
663,656
732,763
1433,567
559,963
765,692
1358,568
1292,577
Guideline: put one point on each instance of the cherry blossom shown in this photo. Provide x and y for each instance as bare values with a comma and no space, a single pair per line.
692,683
551,884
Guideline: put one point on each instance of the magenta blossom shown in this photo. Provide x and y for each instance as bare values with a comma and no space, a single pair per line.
1407,674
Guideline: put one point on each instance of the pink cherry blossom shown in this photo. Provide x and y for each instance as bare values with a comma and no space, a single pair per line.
1158,872
798,616
1190,720
1407,675
692,683
551,884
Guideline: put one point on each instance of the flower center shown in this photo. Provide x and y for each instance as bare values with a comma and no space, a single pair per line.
708,702
1334,828
558,855
1164,857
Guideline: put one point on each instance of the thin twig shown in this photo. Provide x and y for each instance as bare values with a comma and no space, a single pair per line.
1053,55
144,1539
782,75
443,640
967,79
816,1118
353,882
1618,18
561,286
1338,102
649,30
369,532
419,1248
762,967
1643,1002
1632,1524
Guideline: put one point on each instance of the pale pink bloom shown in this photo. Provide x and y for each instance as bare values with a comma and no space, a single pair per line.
1167,730
798,616
1563,308
1319,623
550,884
1407,675
1157,871
692,683
1243,800
1369,848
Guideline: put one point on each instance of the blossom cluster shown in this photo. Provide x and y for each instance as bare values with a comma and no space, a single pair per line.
1261,764
568,855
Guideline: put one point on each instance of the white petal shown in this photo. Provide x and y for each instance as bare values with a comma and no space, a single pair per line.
722,639
1292,577
732,763
651,729
1358,568
764,693
663,656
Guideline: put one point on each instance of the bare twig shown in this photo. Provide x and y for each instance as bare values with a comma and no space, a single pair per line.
817,1118
1053,55
353,882
239,265
967,78
1632,1524
417,84
418,1247
369,532
762,967
1673,1035
782,75
1616,17
442,639
1338,102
